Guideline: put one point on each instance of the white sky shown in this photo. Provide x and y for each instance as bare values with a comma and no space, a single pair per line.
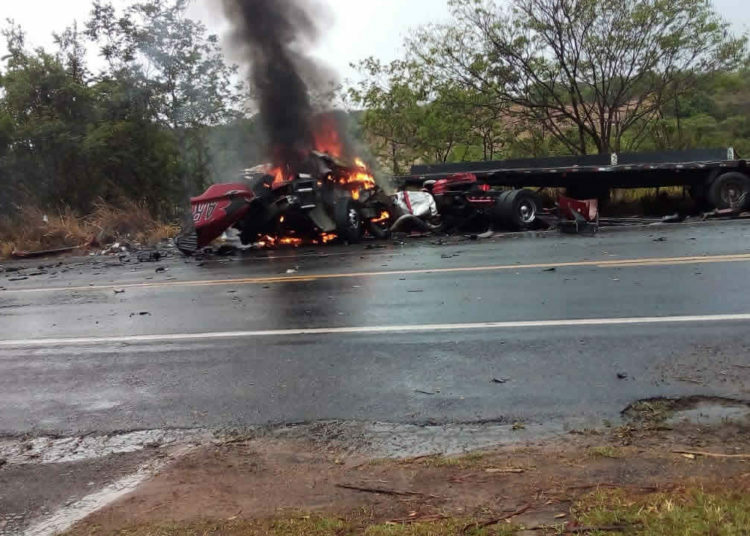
360,28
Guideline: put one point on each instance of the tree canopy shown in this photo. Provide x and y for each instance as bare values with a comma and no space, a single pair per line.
535,77
140,128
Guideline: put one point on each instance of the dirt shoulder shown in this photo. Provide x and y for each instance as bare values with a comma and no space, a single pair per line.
617,478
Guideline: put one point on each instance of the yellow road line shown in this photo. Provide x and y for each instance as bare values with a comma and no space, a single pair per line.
619,263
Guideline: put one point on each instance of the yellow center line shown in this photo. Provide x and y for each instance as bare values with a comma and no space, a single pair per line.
619,263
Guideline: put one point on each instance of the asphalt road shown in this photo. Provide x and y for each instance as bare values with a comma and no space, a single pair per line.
580,327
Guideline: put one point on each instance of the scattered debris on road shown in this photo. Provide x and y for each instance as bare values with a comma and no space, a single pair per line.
673,218
149,256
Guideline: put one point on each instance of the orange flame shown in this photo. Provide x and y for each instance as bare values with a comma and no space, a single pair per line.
290,241
383,217
278,176
363,178
326,136
268,241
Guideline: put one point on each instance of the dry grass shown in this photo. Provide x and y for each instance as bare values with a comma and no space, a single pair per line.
473,460
312,525
686,512
636,201
34,229
649,202
131,221
605,451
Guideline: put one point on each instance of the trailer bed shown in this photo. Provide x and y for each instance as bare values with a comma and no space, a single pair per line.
627,170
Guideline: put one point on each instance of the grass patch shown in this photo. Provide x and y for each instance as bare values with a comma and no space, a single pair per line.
691,512
605,451
685,512
303,526
448,527
654,412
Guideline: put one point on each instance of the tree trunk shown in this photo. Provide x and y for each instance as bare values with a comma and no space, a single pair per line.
394,160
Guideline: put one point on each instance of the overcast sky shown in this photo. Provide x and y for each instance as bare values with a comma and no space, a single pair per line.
359,28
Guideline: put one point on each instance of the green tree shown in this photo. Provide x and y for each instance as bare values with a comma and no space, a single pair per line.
190,87
45,111
411,116
591,71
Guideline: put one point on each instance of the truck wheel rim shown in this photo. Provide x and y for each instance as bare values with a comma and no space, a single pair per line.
731,192
527,211
353,217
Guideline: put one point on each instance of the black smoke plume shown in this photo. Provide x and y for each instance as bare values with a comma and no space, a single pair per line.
274,33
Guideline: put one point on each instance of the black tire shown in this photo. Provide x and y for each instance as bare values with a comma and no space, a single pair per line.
187,242
517,210
379,230
727,189
349,225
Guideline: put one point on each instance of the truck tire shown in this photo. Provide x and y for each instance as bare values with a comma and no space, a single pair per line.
727,189
379,230
517,210
349,225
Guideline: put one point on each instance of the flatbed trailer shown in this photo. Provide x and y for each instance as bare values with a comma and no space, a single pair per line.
715,177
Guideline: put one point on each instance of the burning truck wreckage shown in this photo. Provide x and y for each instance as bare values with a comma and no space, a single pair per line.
326,197
320,200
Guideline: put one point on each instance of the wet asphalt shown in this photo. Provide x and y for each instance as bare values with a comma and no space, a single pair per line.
569,376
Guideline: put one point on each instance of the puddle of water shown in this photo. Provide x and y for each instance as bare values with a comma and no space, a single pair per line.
712,413
387,440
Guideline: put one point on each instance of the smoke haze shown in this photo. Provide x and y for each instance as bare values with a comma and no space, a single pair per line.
273,34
